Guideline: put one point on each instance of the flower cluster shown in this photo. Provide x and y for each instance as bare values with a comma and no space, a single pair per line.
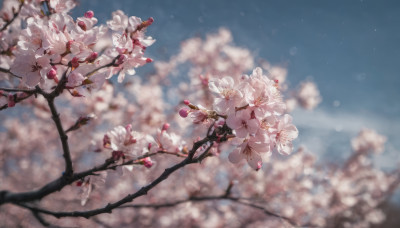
253,108
54,45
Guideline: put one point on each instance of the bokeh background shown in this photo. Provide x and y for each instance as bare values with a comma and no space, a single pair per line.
350,49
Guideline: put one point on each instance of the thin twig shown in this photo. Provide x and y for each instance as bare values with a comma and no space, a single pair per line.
29,91
112,63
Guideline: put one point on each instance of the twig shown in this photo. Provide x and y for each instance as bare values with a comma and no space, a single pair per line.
9,72
40,218
19,99
29,91
112,63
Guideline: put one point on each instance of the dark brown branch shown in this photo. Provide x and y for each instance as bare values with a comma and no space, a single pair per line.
64,138
29,91
141,192
173,204
61,182
40,218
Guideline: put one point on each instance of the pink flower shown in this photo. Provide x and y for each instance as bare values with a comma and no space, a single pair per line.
229,95
31,67
250,150
285,133
243,123
74,79
368,140
169,141
119,21
308,95
262,95
128,142
200,115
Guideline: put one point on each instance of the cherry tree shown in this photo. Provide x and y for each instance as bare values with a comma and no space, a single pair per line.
85,142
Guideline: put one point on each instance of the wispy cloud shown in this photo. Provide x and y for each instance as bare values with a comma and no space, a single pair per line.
327,133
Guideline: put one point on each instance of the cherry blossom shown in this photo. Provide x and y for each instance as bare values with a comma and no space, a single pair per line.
250,150
284,134
32,67
243,123
368,140
58,69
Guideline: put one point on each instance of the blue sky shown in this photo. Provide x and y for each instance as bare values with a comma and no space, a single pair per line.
349,48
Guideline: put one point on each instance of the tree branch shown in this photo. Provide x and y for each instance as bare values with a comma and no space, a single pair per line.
61,182
131,197
64,138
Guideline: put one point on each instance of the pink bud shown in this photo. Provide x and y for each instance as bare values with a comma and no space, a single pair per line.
52,74
11,101
150,20
89,14
75,62
92,57
149,146
82,25
69,43
183,112
186,102
165,127
148,60
147,162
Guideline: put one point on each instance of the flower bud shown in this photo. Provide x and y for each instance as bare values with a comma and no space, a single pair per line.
89,14
183,112
68,45
52,74
82,25
148,60
147,162
92,57
75,62
165,127
186,102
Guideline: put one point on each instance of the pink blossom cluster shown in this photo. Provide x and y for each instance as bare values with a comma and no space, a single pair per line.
254,109
45,53
368,140
54,44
